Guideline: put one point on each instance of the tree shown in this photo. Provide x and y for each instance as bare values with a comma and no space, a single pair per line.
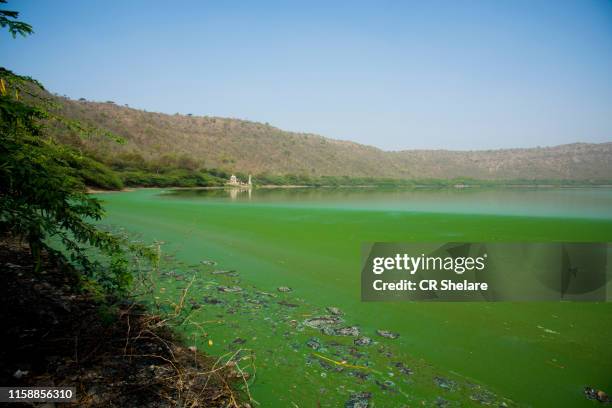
41,198
8,19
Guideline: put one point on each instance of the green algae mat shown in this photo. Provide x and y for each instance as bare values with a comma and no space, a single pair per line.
273,278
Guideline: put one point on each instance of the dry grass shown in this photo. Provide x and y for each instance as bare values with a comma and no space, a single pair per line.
252,147
120,356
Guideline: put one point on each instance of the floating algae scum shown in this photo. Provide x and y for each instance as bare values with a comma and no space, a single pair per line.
314,341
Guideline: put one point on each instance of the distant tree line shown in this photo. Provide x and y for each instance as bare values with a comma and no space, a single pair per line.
131,169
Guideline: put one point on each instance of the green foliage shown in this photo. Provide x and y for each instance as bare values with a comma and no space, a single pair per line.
235,145
43,195
95,174
170,178
8,19
133,170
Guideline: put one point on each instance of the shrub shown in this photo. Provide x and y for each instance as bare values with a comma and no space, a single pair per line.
43,195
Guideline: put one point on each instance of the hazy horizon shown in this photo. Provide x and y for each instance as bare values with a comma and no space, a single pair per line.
397,76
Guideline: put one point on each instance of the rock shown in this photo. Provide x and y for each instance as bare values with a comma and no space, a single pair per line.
441,402
385,351
403,369
387,334
211,300
362,341
321,322
328,366
344,331
348,331
223,272
328,331
13,266
195,305
386,385
284,289
19,374
287,304
602,396
238,340
597,395
360,374
313,344
266,294
359,400
445,383
484,397
208,262
334,311
229,289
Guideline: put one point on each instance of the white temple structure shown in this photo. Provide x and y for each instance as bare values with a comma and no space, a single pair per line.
236,182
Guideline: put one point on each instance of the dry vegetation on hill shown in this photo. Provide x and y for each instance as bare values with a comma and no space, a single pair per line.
250,147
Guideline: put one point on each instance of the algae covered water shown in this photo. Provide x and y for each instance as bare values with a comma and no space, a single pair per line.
316,344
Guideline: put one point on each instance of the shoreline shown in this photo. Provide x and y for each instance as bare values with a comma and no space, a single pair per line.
347,186
120,371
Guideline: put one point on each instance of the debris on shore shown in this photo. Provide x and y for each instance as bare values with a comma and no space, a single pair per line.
597,395
445,383
387,334
314,344
229,289
321,322
225,272
359,400
362,341
343,331
58,334
334,311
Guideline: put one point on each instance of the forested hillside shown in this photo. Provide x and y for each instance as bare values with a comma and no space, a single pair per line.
251,147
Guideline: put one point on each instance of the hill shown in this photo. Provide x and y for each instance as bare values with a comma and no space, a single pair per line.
251,147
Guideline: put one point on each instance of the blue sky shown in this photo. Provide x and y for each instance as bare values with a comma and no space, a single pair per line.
396,75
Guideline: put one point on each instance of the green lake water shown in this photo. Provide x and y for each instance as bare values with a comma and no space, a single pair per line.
526,354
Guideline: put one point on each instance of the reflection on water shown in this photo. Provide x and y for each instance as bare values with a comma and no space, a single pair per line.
576,202
234,193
